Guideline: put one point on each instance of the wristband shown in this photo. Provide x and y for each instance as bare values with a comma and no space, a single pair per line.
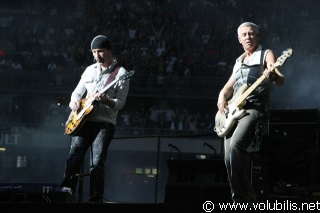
274,76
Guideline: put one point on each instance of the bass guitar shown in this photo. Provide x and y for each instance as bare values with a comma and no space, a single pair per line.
88,105
224,122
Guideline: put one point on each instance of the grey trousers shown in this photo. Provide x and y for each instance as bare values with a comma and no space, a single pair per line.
237,158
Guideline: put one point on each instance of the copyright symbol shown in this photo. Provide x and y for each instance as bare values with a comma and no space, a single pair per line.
208,206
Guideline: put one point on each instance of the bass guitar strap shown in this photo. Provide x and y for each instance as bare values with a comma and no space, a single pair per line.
262,57
261,123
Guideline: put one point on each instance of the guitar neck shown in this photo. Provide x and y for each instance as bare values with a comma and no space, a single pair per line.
251,88
91,97
279,62
123,77
109,85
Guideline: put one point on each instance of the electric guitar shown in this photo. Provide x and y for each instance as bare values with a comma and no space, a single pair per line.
88,105
224,122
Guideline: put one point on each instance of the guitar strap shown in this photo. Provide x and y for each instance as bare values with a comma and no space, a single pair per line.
260,127
112,75
263,52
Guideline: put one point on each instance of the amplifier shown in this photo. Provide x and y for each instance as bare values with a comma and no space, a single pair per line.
197,181
256,175
298,124
284,162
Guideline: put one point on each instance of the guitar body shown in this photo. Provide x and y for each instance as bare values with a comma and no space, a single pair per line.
78,117
224,122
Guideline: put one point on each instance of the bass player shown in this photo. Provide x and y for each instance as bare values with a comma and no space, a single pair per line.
249,66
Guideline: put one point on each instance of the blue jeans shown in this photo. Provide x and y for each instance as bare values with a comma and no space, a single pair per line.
98,135
237,158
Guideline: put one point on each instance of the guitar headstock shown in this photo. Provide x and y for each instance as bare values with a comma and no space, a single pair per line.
288,52
127,75
285,54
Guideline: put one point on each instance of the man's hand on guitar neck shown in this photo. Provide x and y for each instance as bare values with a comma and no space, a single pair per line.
270,74
104,99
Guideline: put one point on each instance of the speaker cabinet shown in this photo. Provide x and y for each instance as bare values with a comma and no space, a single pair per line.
299,124
302,125
284,163
196,181
256,175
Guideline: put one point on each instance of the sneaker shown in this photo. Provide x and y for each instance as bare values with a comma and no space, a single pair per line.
67,189
109,202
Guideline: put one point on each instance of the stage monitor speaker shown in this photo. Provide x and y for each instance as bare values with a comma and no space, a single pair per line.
196,181
33,193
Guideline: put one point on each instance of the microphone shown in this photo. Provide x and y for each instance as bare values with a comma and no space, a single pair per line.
210,146
175,148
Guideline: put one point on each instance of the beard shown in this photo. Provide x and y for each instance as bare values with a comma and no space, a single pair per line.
99,60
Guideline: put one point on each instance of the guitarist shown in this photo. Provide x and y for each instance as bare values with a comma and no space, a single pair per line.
98,129
248,67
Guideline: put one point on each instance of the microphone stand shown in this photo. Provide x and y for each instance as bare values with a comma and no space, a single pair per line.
210,147
175,148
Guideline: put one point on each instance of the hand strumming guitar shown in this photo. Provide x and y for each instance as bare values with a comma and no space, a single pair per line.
74,105
222,105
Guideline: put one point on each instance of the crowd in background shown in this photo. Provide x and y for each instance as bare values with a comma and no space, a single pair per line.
159,39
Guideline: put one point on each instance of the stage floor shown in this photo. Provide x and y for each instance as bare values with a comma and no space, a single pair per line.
127,208
98,208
